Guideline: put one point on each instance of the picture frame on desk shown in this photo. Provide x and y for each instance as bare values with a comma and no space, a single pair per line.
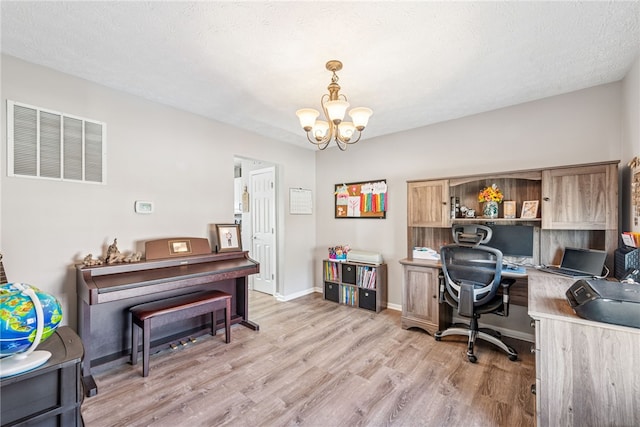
529,209
228,238
509,209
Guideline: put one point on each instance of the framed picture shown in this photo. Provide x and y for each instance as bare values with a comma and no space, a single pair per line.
509,209
228,238
179,247
529,209
366,199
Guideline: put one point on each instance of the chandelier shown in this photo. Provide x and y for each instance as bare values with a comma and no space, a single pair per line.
334,106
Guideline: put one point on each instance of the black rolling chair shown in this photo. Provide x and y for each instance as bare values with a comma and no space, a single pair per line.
472,278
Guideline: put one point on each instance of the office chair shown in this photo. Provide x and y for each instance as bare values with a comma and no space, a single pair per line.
472,278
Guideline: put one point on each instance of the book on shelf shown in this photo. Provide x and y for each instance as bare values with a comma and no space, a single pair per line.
349,295
366,277
331,271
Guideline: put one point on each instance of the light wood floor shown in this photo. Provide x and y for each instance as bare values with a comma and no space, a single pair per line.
317,363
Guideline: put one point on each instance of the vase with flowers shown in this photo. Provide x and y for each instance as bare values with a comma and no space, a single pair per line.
491,196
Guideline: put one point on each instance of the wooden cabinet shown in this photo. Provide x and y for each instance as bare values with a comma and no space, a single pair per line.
586,372
579,208
420,304
428,204
51,394
355,284
580,198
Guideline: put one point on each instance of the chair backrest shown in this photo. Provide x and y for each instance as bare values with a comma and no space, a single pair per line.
472,274
471,234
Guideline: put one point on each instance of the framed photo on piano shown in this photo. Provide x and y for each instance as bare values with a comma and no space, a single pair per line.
228,238
180,247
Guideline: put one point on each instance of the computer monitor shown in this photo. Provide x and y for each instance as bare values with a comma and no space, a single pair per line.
512,240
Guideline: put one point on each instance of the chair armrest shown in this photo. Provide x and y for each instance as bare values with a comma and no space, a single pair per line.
442,286
506,284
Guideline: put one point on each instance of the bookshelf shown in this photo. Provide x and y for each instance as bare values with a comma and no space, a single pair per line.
355,284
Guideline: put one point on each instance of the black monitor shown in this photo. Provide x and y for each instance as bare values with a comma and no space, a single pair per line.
512,240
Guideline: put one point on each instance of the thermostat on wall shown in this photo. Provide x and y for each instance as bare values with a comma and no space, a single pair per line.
143,207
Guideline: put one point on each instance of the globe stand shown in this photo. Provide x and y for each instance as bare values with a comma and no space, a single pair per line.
30,359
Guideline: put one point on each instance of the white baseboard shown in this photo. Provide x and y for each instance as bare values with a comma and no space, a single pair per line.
280,297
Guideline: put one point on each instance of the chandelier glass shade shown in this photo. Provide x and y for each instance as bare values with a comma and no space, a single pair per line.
334,106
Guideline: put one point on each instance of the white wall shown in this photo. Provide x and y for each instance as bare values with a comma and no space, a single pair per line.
631,141
578,127
184,163
180,161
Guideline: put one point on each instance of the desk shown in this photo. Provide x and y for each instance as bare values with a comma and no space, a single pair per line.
587,373
420,299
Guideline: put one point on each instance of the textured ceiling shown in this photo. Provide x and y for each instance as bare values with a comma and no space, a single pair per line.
253,64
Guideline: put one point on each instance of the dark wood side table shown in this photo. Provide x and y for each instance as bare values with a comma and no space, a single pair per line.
51,394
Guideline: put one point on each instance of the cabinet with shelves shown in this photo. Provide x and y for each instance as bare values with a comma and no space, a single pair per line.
578,207
355,284
51,394
420,303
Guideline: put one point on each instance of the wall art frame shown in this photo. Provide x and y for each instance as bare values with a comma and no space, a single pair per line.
363,199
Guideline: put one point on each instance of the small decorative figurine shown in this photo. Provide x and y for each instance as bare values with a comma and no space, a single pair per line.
133,257
89,261
113,254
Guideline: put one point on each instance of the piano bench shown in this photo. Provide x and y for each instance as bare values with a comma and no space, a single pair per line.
169,310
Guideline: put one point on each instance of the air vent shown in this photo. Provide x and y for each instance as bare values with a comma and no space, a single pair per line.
52,145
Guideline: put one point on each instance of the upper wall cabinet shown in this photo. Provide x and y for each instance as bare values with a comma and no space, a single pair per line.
580,198
578,207
428,204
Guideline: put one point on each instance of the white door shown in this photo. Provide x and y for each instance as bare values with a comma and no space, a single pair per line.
263,222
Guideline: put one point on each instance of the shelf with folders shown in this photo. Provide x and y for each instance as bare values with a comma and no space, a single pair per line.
332,271
355,284
349,295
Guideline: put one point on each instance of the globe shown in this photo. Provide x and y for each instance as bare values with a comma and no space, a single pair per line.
18,321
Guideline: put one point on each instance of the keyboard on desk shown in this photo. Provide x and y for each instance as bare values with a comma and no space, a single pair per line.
513,269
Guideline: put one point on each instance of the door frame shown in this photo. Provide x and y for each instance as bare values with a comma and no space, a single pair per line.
249,165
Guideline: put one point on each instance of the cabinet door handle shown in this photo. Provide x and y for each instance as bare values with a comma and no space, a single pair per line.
444,203
546,199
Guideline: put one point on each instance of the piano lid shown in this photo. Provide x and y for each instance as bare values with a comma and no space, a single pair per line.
119,281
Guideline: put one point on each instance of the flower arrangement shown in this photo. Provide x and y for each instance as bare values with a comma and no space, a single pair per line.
491,194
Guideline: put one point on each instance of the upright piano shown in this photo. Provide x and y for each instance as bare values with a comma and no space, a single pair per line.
106,292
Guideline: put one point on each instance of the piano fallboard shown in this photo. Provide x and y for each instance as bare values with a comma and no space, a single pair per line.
101,284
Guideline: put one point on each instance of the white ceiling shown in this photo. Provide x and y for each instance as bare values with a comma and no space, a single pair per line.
253,64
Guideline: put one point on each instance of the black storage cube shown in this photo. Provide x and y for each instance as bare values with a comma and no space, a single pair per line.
331,291
349,274
367,299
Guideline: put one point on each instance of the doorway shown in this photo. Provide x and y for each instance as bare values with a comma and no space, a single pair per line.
258,220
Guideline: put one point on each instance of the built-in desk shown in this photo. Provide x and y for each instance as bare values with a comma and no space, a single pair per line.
587,373
420,302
